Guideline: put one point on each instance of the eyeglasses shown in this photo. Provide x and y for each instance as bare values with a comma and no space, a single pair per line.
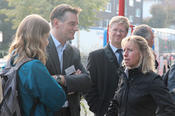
120,31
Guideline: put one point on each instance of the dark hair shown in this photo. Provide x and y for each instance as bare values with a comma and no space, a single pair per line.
143,31
60,10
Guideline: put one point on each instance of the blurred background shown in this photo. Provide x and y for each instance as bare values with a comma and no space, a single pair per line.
94,20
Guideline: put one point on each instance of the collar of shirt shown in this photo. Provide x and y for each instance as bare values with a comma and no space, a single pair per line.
60,49
58,45
114,49
117,54
126,72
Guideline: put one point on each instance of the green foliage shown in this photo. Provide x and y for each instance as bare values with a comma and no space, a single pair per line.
18,9
13,11
5,27
158,16
163,15
171,15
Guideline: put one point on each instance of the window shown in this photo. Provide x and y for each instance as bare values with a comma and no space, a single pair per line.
117,9
138,12
138,0
131,2
131,19
108,7
126,10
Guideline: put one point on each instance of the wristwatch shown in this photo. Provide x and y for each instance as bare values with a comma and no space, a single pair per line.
58,78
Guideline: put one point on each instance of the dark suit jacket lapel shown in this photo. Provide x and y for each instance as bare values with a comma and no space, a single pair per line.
67,57
53,55
110,55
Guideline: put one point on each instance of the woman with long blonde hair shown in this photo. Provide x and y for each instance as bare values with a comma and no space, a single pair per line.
141,91
30,41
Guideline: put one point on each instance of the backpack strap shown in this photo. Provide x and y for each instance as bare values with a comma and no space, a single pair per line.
17,67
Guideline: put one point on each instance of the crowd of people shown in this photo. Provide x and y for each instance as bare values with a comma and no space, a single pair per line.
119,80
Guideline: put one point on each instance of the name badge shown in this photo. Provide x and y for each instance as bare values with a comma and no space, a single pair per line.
70,70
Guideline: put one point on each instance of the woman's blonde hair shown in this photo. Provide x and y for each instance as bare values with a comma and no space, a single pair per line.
28,40
147,59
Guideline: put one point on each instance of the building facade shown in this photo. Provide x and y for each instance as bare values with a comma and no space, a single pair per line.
133,11
147,4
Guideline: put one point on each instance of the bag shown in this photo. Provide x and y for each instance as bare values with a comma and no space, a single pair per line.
10,105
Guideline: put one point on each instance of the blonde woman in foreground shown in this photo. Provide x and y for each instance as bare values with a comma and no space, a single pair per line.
141,91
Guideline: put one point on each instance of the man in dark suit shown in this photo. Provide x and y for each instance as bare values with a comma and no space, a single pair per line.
103,65
64,60
146,32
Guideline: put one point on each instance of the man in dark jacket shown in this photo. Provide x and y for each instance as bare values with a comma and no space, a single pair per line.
146,32
171,81
64,60
103,65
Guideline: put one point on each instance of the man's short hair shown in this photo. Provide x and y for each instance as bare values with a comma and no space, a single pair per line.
143,31
60,10
120,20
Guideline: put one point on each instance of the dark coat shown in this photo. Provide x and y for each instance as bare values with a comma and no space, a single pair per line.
171,81
102,65
140,94
74,83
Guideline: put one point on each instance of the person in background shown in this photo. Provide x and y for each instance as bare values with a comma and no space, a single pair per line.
103,65
35,81
146,32
64,60
170,80
141,91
